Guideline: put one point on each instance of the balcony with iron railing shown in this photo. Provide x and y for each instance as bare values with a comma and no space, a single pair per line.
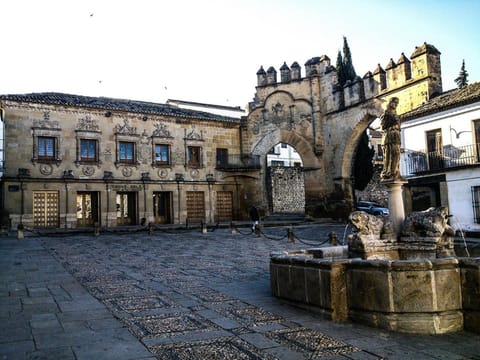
237,162
449,157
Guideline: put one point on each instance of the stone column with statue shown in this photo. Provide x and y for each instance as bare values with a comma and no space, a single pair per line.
391,144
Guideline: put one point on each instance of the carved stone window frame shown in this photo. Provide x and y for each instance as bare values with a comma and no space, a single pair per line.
161,136
40,132
155,143
194,139
126,133
130,139
88,135
189,163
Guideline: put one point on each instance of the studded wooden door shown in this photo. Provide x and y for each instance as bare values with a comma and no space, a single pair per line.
224,206
195,206
45,209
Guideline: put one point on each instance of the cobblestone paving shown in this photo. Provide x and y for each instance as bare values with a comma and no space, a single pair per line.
188,295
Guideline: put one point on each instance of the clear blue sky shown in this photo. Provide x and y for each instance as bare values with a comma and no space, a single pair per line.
209,51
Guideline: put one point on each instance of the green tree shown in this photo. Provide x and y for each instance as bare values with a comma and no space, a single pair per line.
462,79
340,69
363,166
349,70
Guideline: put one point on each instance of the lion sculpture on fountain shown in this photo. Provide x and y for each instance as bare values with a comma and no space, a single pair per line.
371,225
430,227
432,222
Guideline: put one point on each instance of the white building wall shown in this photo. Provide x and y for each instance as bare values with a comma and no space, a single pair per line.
451,122
288,155
460,200
458,121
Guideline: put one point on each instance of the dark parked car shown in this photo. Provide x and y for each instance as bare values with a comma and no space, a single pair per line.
372,208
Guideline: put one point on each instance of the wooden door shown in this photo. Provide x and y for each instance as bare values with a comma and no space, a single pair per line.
195,206
435,149
45,209
224,206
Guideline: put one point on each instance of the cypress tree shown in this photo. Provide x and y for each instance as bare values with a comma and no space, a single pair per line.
363,166
349,70
340,69
462,79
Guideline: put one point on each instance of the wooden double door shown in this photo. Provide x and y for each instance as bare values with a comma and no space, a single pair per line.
45,209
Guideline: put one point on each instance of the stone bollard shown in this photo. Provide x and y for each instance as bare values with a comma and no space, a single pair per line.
20,228
204,228
232,228
333,238
291,235
96,229
151,229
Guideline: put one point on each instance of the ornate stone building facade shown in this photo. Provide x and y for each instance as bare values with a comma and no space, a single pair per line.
74,161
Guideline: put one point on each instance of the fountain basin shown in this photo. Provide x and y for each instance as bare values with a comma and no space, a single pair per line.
427,296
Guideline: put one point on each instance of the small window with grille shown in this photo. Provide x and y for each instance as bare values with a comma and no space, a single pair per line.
476,203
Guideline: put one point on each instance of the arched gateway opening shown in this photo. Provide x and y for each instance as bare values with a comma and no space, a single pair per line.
285,181
286,177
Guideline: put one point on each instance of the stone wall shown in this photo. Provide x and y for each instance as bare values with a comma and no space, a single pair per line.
286,188
432,296
375,190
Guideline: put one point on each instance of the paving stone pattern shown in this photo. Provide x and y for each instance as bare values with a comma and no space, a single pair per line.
178,295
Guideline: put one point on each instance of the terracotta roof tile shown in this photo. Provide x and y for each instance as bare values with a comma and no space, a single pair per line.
447,100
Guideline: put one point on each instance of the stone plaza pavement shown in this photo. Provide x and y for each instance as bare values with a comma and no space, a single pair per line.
178,295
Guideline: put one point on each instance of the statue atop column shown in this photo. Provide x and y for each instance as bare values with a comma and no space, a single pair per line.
391,142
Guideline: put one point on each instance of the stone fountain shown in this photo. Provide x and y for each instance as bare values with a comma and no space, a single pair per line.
399,274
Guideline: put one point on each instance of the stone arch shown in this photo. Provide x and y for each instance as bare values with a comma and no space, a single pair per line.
301,145
363,120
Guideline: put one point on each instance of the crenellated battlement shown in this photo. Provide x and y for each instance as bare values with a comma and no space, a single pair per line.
422,67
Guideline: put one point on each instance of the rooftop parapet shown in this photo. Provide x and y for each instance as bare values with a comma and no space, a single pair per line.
423,65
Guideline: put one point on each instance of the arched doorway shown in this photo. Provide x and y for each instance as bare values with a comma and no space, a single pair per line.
285,182
363,128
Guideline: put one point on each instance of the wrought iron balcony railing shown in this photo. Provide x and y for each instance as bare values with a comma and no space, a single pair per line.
239,162
448,157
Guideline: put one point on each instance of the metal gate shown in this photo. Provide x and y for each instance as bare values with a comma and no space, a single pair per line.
224,206
45,209
195,206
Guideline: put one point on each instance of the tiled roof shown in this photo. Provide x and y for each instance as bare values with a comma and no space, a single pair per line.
448,100
111,104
